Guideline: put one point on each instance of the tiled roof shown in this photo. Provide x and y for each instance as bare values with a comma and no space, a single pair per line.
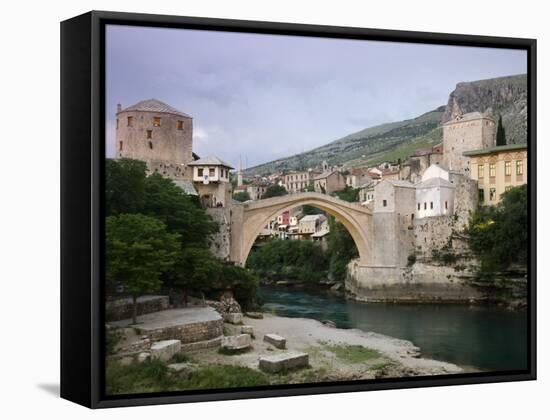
210,160
399,183
154,105
434,182
496,149
186,186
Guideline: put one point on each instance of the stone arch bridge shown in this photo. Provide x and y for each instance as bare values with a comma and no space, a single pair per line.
248,219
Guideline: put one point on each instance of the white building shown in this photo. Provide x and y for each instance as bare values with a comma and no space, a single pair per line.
211,179
311,223
435,197
394,196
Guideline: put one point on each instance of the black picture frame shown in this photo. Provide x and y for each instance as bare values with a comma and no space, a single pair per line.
82,213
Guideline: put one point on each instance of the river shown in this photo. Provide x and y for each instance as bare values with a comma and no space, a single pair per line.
483,337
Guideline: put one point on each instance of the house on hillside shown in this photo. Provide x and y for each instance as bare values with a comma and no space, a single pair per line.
329,182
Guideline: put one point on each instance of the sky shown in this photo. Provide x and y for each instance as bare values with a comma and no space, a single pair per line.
255,98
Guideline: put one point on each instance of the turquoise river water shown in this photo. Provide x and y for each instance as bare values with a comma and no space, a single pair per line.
488,338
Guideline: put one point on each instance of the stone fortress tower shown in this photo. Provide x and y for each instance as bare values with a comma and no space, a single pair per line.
158,134
472,131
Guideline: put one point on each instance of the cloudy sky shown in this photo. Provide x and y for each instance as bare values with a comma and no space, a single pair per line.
262,97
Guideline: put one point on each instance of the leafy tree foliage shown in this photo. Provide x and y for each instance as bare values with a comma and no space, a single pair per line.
341,249
241,196
348,194
303,261
124,186
138,250
275,191
501,134
499,234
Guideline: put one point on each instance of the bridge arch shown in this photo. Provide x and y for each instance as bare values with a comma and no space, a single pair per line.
356,218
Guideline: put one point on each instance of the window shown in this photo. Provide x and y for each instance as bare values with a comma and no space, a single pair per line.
200,172
418,206
385,203
507,168
446,205
425,205
431,205
481,171
481,195
149,134
151,145
519,167
120,146
492,170
130,121
117,123
180,125
156,122
211,171
492,194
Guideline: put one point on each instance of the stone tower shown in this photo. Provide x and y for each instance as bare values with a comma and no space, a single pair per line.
472,131
158,134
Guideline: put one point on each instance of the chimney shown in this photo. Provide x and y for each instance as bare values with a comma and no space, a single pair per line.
118,108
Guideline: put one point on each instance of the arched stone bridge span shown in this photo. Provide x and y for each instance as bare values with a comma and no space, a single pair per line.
248,219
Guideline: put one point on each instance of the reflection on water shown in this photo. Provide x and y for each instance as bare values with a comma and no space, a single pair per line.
485,337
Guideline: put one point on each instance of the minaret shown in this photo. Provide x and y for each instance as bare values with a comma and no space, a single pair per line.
240,173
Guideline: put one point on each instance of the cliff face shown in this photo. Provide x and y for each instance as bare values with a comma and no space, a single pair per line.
505,96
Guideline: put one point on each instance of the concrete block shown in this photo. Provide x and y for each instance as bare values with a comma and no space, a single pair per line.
165,350
233,317
236,342
275,340
284,361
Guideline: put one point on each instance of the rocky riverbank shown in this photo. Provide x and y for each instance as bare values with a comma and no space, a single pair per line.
334,354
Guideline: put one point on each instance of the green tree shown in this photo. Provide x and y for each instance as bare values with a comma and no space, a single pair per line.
348,194
341,249
501,134
499,234
180,212
275,191
138,250
124,186
241,196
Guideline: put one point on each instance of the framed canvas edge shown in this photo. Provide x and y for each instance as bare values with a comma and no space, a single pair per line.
95,333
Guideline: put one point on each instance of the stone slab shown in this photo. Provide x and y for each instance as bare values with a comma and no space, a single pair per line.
237,342
233,317
275,340
284,361
247,329
165,350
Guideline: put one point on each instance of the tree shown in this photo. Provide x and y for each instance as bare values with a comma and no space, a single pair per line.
241,196
341,249
501,134
138,250
499,234
348,194
124,186
180,212
275,191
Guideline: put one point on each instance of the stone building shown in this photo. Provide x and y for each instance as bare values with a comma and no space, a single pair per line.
414,167
497,169
472,131
298,181
157,134
256,189
311,224
211,179
329,182
366,191
357,177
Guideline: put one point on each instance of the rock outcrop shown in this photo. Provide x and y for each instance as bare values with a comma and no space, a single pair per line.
502,96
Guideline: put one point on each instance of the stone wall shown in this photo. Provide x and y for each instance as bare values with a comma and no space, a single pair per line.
187,333
118,309
220,242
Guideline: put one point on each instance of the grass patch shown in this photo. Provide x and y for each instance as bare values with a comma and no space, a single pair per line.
153,376
353,353
181,358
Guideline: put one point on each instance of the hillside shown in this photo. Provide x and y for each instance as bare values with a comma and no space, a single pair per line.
502,96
